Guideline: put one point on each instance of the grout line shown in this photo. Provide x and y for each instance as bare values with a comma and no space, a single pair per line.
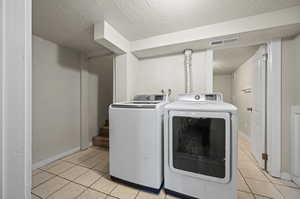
251,192
252,159
58,189
58,175
79,163
278,191
139,191
44,181
36,195
81,194
40,170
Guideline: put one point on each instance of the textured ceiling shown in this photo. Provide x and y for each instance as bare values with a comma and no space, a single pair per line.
226,61
69,22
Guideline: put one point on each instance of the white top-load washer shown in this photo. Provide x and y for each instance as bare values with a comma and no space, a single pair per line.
200,147
135,141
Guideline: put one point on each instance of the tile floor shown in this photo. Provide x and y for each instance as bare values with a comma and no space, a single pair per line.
84,175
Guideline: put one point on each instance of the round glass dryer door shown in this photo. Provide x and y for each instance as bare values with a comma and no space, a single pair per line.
200,144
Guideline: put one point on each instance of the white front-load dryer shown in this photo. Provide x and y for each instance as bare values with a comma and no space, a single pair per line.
200,147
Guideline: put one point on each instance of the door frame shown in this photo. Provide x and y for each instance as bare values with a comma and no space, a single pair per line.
15,98
259,142
274,108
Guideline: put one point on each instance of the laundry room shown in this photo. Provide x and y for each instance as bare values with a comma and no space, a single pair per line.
149,99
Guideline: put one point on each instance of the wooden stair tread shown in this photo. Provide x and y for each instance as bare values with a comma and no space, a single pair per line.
101,141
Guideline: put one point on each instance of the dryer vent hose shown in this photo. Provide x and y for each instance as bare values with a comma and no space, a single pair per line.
188,70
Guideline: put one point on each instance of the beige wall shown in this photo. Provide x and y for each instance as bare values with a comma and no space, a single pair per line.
100,92
290,92
152,75
55,100
224,84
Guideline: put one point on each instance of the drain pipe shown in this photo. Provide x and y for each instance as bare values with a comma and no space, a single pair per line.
188,70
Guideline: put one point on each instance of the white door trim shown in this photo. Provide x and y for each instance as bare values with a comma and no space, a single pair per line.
294,144
274,108
15,93
2,38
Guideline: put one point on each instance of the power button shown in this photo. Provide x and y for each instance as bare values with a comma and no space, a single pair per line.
197,97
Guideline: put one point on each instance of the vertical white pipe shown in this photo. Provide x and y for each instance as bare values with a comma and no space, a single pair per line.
188,70
209,70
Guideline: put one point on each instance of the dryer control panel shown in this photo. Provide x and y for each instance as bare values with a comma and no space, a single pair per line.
202,97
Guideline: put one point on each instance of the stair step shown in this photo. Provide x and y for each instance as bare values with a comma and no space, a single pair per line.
104,131
106,123
101,141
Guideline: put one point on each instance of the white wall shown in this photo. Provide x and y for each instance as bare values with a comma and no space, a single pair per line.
56,99
100,92
243,79
133,65
152,75
290,93
224,84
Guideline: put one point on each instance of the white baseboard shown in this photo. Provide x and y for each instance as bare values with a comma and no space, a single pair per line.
296,180
54,158
285,176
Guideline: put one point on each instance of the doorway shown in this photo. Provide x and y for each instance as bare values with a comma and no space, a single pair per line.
249,78
240,74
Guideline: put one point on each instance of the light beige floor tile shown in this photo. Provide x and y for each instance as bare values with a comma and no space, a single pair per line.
90,163
147,195
60,168
52,164
73,156
74,172
88,178
49,187
40,178
171,197
102,167
80,156
104,185
288,192
264,188
124,192
244,195
246,164
245,155
36,171
110,197
34,196
242,186
70,191
253,173
91,194
91,153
